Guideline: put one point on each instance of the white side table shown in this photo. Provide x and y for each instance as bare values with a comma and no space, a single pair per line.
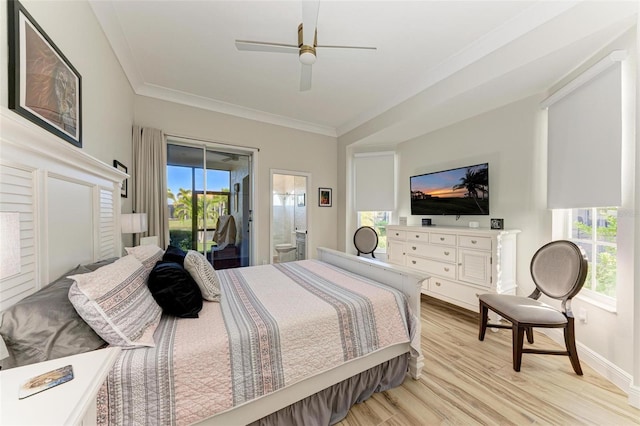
71,403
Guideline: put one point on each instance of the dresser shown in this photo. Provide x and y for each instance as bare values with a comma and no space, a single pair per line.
461,262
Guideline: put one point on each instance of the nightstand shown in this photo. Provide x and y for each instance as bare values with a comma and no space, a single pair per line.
71,403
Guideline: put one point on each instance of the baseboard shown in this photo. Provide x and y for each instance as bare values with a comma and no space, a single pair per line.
634,396
611,372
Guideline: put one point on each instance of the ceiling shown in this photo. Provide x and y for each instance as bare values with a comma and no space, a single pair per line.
436,61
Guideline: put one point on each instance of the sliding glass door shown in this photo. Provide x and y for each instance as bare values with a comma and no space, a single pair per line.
207,192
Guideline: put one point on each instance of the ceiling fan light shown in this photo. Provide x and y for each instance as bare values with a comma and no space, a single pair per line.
307,57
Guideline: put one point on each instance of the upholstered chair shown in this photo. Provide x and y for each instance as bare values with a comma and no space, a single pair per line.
558,269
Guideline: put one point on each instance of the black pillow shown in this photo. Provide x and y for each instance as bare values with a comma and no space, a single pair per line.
174,254
174,290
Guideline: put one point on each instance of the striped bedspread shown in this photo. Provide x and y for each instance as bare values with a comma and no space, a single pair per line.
275,325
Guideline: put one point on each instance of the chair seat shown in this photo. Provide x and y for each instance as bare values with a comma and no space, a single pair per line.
523,309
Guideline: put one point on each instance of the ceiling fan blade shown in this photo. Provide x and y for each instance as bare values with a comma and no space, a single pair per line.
347,47
260,46
305,78
309,20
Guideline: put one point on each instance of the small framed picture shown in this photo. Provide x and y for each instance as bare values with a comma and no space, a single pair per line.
123,187
497,223
324,197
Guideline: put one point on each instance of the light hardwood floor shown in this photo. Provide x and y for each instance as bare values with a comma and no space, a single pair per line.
466,381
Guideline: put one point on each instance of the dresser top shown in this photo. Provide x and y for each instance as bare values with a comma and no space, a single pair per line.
454,229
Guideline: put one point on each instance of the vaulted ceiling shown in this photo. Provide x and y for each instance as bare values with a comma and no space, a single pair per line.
436,61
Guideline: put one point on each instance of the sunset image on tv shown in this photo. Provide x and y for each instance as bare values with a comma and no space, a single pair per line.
462,191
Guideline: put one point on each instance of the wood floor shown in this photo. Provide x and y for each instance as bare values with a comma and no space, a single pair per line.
466,382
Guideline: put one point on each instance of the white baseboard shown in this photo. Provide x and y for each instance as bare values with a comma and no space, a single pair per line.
611,372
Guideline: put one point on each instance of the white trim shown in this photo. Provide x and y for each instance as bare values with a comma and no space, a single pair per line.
634,396
601,365
603,65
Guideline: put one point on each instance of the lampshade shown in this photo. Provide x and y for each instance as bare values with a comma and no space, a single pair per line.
9,244
133,223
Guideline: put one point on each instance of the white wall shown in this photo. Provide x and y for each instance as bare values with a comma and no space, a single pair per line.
280,148
510,140
107,97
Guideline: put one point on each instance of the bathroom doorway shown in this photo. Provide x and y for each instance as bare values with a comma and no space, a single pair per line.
289,215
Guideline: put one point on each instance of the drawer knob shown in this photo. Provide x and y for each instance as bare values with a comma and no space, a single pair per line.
397,234
441,238
438,284
413,248
446,269
413,261
446,253
473,241
417,236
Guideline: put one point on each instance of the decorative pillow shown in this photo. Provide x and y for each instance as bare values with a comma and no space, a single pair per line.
148,255
174,290
203,274
115,301
45,326
174,254
99,264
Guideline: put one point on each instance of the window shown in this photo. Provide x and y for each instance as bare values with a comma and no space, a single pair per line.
595,230
379,222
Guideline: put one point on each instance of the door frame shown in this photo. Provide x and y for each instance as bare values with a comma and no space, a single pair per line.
307,205
250,152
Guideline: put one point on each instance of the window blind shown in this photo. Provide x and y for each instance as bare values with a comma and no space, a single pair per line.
374,181
585,142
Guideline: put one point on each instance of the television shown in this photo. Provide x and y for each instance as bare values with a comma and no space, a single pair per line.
461,191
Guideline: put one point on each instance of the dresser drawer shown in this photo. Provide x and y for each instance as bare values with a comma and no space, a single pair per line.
455,291
396,234
432,266
447,254
442,239
481,243
418,236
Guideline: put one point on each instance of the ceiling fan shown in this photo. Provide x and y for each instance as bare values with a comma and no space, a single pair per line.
307,43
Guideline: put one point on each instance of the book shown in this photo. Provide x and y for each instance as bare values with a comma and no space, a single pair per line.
46,381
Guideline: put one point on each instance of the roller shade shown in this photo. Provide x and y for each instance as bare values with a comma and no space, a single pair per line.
374,181
585,142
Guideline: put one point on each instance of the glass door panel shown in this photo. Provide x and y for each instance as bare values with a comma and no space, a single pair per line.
206,188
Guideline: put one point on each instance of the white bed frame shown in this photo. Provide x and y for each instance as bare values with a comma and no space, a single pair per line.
69,205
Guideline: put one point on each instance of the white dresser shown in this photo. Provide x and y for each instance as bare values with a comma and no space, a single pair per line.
462,262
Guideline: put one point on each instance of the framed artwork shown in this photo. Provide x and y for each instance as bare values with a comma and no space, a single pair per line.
43,85
123,186
300,200
324,197
497,223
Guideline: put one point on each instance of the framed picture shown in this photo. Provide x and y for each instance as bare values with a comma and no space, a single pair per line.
497,223
300,200
123,187
43,85
324,197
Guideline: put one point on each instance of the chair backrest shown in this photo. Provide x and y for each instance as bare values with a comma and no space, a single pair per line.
559,269
365,239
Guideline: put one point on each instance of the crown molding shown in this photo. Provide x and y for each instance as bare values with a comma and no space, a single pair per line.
189,99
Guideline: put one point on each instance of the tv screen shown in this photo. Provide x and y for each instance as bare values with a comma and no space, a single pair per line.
461,191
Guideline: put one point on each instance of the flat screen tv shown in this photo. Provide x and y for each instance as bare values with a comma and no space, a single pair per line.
461,191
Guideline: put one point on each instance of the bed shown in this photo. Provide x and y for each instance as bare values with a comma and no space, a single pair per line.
62,182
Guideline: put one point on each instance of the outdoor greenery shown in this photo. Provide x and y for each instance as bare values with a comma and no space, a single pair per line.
379,222
606,264
180,222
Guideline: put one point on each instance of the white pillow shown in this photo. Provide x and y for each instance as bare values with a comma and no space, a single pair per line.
148,255
115,301
203,274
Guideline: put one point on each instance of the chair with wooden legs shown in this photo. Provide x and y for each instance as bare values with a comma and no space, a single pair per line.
559,270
